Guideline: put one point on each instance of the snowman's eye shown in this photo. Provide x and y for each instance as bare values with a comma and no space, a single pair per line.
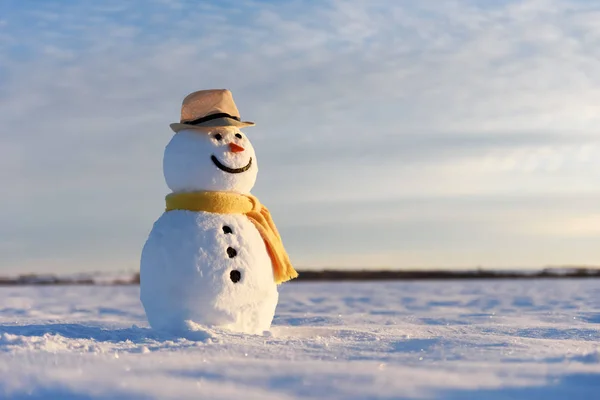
238,135
218,136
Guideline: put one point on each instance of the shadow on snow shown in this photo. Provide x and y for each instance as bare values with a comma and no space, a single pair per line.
78,331
574,386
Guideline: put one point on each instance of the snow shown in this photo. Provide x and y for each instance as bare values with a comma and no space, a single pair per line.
189,258
451,340
187,163
186,274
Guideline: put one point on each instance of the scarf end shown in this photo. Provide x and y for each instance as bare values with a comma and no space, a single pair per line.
284,276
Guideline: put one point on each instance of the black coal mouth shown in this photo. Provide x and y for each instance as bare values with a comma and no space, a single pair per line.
225,168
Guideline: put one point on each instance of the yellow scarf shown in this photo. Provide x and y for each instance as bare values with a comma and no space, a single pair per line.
234,203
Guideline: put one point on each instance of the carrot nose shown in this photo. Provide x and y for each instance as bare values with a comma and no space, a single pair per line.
235,148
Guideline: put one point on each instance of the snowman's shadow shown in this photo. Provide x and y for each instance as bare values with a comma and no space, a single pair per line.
99,334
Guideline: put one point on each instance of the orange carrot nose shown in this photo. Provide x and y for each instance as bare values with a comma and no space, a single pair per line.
235,148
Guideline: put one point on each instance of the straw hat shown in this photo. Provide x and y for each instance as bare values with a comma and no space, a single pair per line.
209,108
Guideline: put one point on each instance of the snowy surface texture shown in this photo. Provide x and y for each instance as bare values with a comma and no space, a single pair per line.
450,340
186,274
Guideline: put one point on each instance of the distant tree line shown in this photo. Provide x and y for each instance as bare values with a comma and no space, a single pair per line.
336,275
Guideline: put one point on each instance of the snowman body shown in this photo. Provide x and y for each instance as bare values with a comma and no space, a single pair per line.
201,268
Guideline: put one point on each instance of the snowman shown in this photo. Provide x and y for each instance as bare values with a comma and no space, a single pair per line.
214,258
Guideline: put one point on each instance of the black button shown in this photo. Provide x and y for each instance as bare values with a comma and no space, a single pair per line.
227,230
235,276
231,252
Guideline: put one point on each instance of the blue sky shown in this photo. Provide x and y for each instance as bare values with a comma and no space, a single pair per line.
389,133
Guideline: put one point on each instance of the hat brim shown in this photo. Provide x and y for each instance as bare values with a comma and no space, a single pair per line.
178,126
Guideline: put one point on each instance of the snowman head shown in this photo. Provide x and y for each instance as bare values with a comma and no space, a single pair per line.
210,158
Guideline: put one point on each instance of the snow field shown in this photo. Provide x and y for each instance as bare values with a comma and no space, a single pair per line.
453,339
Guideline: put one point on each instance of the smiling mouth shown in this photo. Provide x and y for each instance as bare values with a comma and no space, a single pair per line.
225,168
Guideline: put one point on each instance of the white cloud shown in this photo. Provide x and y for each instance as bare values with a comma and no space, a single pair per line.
355,102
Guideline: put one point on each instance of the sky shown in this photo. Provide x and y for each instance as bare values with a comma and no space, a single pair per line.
394,134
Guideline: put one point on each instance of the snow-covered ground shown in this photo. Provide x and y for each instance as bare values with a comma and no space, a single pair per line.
450,340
